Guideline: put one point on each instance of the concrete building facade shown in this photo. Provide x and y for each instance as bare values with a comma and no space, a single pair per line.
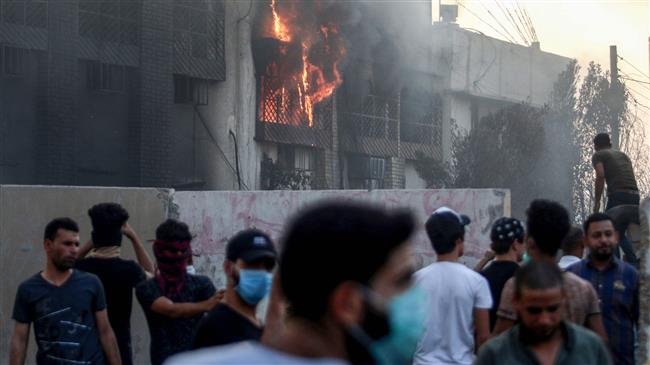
169,93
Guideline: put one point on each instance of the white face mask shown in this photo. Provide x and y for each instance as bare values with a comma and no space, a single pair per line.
191,270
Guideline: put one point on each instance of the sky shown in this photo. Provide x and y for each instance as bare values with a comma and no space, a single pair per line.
581,29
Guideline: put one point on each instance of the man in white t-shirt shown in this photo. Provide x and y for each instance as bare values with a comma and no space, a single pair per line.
459,298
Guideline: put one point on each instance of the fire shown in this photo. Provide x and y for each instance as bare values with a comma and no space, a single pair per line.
289,95
279,28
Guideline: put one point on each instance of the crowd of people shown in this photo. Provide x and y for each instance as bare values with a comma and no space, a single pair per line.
343,289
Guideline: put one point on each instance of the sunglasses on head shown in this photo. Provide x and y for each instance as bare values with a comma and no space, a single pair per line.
539,310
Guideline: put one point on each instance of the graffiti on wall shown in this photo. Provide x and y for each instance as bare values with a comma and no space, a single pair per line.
216,216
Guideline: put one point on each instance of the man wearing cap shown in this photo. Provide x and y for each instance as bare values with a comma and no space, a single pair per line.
507,237
458,319
250,259
174,301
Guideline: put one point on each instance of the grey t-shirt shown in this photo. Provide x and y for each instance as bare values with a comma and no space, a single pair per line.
63,318
246,353
619,173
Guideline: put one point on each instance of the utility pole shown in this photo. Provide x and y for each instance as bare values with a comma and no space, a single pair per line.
614,88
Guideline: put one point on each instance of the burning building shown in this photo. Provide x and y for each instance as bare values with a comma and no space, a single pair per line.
272,94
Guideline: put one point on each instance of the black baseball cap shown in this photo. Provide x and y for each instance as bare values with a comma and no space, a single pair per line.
445,221
250,245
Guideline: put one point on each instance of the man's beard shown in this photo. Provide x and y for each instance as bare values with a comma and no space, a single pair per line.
533,336
603,254
62,264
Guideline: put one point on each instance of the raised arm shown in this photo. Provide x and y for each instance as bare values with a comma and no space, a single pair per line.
19,341
84,249
167,308
140,253
107,338
599,185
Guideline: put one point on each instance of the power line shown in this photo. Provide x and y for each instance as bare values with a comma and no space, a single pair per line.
634,67
511,39
479,18
634,80
524,26
532,27
505,14
521,34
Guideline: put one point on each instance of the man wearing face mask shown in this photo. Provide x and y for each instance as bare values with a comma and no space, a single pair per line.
174,301
345,272
250,258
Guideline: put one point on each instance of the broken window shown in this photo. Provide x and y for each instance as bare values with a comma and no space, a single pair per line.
366,172
190,90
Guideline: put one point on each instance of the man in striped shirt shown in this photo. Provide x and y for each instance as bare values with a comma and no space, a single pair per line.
616,283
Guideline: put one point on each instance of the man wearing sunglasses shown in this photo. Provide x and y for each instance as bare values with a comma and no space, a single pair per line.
541,336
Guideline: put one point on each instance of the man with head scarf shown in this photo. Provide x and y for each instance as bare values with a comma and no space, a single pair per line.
118,276
174,300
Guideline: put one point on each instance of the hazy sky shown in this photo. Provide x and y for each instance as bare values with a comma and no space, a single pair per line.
581,29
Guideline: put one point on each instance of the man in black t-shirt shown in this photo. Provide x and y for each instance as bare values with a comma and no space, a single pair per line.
66,306
174,301
250,258
119,277
507,237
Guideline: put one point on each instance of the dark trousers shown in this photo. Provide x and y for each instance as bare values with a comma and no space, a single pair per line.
623,219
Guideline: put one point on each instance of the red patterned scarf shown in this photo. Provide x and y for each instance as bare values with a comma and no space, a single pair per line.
172,262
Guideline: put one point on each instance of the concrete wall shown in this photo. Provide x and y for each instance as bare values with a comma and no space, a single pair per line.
643,250
212,216
24,212
215,216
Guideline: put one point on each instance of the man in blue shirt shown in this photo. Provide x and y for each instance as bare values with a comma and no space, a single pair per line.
617,285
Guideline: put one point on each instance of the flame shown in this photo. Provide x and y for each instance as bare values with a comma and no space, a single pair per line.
279,28
294,97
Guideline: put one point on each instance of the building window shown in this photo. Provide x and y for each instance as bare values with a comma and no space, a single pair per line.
190,90
106,77
366,172
13,61
110,20
32,13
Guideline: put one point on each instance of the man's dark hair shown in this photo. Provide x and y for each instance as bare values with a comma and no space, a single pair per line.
334,242
548,224
64,223
602,140
502,247
573,239
538,276
107,215
596,217
443,233
172,230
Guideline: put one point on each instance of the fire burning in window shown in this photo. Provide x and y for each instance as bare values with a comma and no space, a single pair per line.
304,67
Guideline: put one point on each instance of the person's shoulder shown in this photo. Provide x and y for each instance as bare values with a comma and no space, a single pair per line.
199,279
242,353
229,354
582,336
31,282
85,277
146,285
